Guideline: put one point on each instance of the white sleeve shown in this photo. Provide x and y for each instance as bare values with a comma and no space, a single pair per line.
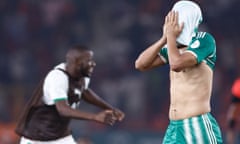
55,87
87,81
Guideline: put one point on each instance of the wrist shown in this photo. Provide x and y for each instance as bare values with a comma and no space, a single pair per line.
93,117
171,37
164,38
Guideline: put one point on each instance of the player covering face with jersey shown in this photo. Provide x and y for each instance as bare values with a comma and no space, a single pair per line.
191,56
190,15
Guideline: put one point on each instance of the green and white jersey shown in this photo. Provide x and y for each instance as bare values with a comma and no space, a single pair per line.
202,46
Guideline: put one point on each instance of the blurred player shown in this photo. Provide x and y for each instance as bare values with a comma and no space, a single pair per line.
191,56
48,113
233,113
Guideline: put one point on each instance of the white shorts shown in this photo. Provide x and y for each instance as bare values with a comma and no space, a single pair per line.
65,140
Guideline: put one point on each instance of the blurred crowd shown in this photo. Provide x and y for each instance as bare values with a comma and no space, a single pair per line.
35,35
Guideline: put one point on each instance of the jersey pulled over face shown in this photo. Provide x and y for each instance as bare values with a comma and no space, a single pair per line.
191,88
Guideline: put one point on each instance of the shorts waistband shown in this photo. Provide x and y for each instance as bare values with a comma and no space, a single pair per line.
182,121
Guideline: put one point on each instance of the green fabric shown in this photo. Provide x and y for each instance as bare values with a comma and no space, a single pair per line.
59,99
202,129
203,46
164,54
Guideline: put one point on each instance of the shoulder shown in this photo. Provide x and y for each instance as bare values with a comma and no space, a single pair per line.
204,37
56,75
203,40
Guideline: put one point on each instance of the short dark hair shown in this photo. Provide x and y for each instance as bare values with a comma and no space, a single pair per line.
74,52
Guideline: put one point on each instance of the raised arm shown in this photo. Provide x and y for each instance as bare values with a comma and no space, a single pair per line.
149,58
177,61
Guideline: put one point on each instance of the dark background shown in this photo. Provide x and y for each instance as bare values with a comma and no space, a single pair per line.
35,34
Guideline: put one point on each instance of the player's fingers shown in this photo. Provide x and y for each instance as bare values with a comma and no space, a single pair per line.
116,113
166,19
120,118
171,16
110,120
175,16
119,115
111,116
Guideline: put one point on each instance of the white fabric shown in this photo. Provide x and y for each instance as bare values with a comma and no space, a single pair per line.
190,14
66,140
87,81
56,85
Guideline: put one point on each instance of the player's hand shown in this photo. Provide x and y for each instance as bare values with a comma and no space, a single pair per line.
164,31
118,114
171,24
106,117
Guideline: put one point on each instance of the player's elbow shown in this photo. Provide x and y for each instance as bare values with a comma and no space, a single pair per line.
175,67
62,110
139,66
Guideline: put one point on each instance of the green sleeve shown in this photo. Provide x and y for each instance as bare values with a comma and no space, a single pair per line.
164,54
203,47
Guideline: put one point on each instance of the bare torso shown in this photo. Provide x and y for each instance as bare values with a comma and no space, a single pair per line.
190,92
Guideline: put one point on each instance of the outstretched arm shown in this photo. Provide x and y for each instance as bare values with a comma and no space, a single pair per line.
105,117
91,97
58,93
